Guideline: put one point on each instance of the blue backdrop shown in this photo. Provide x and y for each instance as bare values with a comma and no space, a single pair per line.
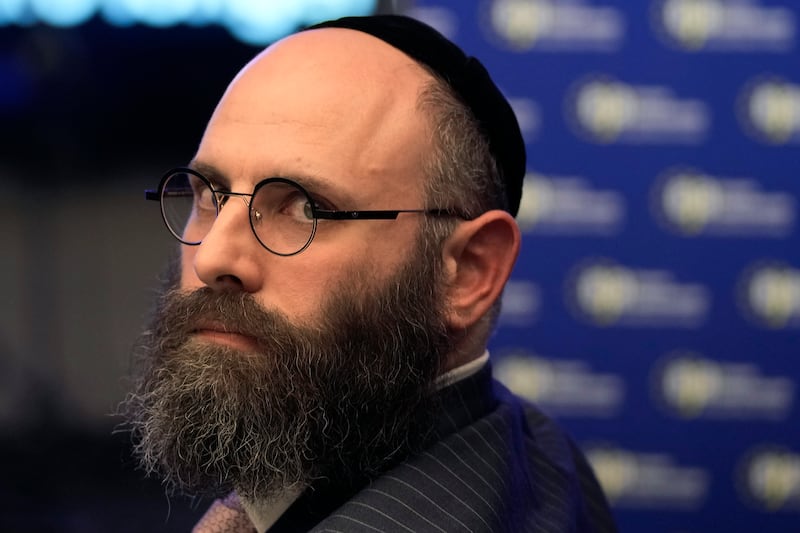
655,309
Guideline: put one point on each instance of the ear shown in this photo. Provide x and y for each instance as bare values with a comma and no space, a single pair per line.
478,259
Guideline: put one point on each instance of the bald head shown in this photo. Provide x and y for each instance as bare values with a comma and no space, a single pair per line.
353,60
345,101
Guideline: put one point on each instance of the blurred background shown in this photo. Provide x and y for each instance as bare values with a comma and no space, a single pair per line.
655,310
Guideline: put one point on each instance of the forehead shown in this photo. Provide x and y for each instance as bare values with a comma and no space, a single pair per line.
335,104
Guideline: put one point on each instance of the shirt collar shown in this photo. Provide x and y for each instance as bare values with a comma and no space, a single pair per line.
454,375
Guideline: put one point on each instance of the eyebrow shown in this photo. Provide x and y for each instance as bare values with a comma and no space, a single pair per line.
314,184
211,172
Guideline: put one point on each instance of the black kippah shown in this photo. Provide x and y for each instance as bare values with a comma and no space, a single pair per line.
469,80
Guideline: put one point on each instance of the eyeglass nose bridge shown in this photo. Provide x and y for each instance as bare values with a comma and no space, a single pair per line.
223,196
247,198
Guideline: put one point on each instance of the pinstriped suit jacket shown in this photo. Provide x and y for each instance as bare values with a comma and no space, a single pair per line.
499,465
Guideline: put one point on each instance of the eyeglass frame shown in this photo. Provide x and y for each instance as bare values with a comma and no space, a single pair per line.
220,198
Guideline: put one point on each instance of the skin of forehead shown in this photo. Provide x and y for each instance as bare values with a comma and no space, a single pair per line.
330,95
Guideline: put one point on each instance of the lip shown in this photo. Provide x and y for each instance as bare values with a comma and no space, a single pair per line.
218,334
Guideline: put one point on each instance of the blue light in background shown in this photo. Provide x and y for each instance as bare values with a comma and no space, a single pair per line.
117,14
205,12
319,10
158,13
63,12
252,21
15,12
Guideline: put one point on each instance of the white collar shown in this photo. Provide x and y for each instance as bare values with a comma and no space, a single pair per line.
464,371
264,514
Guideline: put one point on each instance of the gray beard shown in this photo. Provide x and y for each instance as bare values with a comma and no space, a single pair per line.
341,400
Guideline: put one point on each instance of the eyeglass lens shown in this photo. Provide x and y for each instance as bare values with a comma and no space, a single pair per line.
281,214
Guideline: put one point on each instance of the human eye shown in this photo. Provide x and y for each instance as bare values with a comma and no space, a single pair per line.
282,201
297,206
204,201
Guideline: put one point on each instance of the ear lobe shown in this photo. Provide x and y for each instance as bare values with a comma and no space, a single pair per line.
479,257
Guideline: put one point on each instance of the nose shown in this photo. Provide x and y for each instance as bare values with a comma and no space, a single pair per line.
229,258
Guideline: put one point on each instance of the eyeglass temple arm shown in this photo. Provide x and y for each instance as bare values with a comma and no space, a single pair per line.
356,215
152,194
379,215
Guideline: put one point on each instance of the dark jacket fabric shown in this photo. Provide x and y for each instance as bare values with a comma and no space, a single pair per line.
497,464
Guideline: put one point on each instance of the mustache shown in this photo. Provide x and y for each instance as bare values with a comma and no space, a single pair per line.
183,313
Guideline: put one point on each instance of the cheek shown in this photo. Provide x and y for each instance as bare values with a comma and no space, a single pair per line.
306,288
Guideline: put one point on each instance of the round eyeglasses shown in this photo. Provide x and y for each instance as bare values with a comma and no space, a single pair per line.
283,215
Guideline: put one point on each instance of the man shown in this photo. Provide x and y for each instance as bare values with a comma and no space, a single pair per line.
320,356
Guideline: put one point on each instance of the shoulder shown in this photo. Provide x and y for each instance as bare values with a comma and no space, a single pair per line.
557,475
507,468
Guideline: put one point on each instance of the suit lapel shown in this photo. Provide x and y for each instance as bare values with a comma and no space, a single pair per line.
459,483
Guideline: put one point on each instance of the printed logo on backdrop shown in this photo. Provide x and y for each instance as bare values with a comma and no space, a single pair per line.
444,19
692,203
768,108
603,110
607,294
724,25
768,478
639,480
569,205
553,25
527,110
529,117
769,294
691,386
522,301
567,388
